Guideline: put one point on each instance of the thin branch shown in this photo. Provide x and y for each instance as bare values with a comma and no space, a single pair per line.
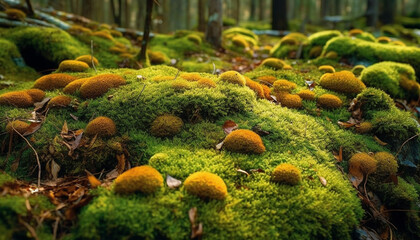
406,141
91,56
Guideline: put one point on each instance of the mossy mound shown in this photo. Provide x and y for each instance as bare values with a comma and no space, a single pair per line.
16,99
343,81
372,99
322,37
143,179
387,164
36,94
256,87
18,126
74,86
244,141
286,173
289,100
88,59
329,101
100,84
157,57
306,94
166,126
73,66
274,63
394,78
15,14
283,85
363,163
206,185
193,77
364,127
358,69
232,77
326,69
288,46
53,81
101,126
206,82
60,101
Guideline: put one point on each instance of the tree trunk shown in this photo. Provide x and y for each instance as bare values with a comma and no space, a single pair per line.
116,14
261,12
337,8
388,11
177,12
87,8
372,13
237,11
253,10
279,15
324,8
141,57
30,9
214,23
202,15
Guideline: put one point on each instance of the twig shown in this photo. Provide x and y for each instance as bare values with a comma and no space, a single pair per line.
36,154
30,228
399,150
364,186
57,220
91,56
214,68
176,76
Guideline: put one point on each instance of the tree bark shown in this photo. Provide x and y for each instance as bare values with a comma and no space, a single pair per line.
141,57
324,8
237,11
202,15
279,15
30,9
388,11
214,23
261,9
372,13
87,9
253,10
116,14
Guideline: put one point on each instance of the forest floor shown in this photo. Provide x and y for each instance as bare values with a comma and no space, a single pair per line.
304,136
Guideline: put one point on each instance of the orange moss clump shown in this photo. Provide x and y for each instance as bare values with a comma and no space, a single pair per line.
126,55
16,99
364,127
232,77
103,34
180,84
77,29
244,141
193,77
326,69
206,185
101,126
143,179
267,92
383,39
315,51
289,100
283,85
398,43
166,126
206,82
18,126
115,49
286,173
267,79
36,94
88,60
387,164
287,67
306,94
343,81
74,86
98,85
273,63
355,32
53,81
115,33
329,101
59,101
362,163
73,66
256,87
15,14
163,78
331,55
156,57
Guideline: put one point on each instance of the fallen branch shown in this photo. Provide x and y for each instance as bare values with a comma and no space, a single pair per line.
406,141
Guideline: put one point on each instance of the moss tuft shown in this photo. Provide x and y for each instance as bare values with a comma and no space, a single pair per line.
355,32
36,94
387,164
166,126
16,99
267,92
193,77
180,85
286,173
343,81
326,69
103,34
156,57
194,38
364,127
88,60
206,185
98,85
15,14
289,100
73,66
383,39
362,162
256,87
329,101
206,82
274,63
306,94
244,141
18,126
53,81
143,179
232,77
74,86
60,101
372,99
101,126
267,79
283,85
331,55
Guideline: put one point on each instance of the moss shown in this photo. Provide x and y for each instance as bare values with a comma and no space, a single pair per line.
398,43
331,55
240,41
315,51
267,79
364,127
115,33
388,76
77,29
244,141
18,126
289,100
53,81
36,94
329,101
358,69
119,50
180,85
286,173
206,82
396,126
206,185
143,179
400,196
283,85
101,126
15,14
74,86
256,87
157,57
273,63
88,60
362,162
326,69
194,38
372,99
383,39
100,84
60,101
322,37
267,92
343,81
103,34
73,66
166,126
387,164
306,94
193,77
163,78
16,99
355,31
232,77
240,31
5,178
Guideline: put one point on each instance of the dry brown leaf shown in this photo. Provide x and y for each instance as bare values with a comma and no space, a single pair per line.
243,171
379,141
64,129
220,145
93,181
356,181
33,127
323,181
339,157
55,168
172,182
346,124
112,175
229,126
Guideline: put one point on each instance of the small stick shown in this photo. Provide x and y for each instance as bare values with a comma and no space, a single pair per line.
176,76
214,68
91,56
406,141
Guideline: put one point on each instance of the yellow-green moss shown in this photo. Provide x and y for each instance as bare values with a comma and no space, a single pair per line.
355,32
77,29
162,78
115,33
98,85
15,14
103,34
180,84
193,77
244,141
16,99
306,94
60,101
384,39
283,85
101,126
73,66
206,185
232,77
166,126
289,100
329,101
194,38
331,55
53,81
256,87
206,82
240,41
386,164
398,43
18,126
88,60
343,81
156,57
286,173
274,63
267,79
358,69
116,49
143,179
326,69
74,86
364,127
362,162
37,95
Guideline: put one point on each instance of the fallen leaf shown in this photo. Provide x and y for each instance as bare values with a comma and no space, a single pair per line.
356,181
74,117
339,157
379,141
258,130
40,106
64,129
220,145
33,127
311,85
323,181
113,174
93,181
243,171
55,168
196,229
76,142
172,182
229,126
346,124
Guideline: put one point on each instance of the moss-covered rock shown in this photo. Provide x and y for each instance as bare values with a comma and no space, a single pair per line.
306,94
206,185
343,81
364,127
372,100
166,126
73,66
16,99
283,85
273,63
286,173
143,179
387,164
326,69
329,101
53,81
101,126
